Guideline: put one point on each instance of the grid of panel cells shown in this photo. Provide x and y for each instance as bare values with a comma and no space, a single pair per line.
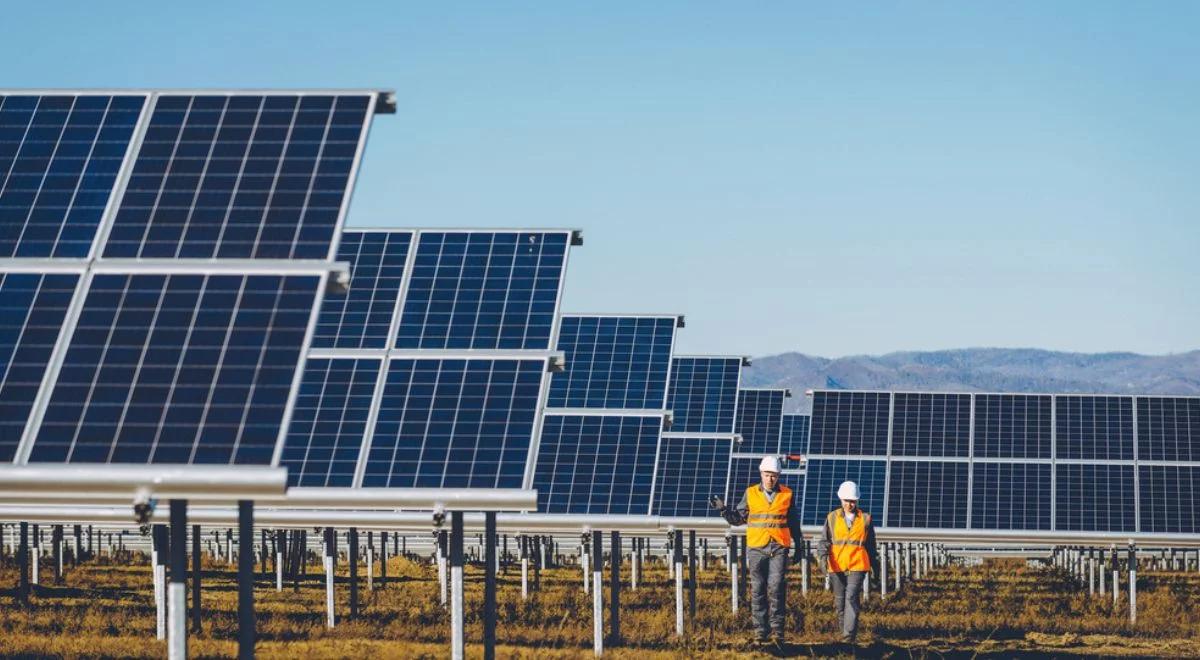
703,394
928,494
1169,498
1168,428
849,423
1010,496
454,423
931,424
760,420
240,176
613,362
825,475
32,308
795,434
1013,426
690,470
178,369
483,290
329,422
362,317
596,464
1094,498
59,159
744,472
1094,427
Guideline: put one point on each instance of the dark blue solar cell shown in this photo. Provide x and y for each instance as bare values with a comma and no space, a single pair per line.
32,307
1012,426
613,362
240,176
329,422
825,475
849,423
690,470
744,472
362,317
760,420
703,394
931,424
596,464
178,369
1094,498
795,434
1010,496
483,290
454,423
930,494
1169,497
1094,427
59,159
1168,428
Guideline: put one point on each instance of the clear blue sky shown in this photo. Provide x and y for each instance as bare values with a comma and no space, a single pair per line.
833,180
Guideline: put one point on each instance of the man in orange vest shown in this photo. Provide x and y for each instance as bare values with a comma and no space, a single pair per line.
772,525
848,549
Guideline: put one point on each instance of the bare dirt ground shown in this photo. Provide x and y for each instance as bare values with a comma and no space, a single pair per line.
999,609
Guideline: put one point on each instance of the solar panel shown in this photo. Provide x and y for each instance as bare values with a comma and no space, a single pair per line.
483,290
597,464
931,424
703,393
362,316
1169,496
1094,497
614,362
162,366
690,470
1168,428
32,308
241,176
927,494
59,159
760,420
744,472
825,475
795,434
1010,495
454,423
850,423
1013,425
329,421
1094,427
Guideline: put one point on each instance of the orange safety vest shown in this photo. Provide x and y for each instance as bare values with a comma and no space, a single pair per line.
849,547
768,520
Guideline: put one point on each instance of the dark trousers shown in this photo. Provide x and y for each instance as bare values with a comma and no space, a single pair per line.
847,591
768,588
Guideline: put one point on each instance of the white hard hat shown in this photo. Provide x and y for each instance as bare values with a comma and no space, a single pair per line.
769,464
848,491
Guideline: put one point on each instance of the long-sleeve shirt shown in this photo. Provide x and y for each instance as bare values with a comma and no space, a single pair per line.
738,515
825,545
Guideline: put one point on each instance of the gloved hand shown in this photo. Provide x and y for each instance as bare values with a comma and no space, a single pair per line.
717,503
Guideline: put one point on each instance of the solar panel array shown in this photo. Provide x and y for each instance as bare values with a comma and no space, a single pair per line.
118,344
1063,462
444,337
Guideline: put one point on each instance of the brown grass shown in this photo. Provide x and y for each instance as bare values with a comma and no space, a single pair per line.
1000,608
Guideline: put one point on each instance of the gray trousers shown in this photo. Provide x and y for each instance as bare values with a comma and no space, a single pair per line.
768,588
847,591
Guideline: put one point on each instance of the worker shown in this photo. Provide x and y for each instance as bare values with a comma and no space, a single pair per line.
847,548
772,521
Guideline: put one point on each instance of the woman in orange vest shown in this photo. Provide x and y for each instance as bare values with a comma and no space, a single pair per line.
848,550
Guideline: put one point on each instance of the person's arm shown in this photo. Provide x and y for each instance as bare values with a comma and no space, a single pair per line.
826,543
737,515
872,552
793,523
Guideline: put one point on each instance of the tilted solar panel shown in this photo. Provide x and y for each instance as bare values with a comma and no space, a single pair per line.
850,423
362,316
329,421
931,424
1013,425
1095,498
703,394
597,464
825,475
930,494
1094,427
760,420
614,362
1169,498
1168,428
1010,495
59,159
795,434
690,470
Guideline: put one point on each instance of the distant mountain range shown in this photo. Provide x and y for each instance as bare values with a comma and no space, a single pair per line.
980,370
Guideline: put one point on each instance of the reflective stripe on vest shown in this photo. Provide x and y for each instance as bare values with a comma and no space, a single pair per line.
849,552
767,521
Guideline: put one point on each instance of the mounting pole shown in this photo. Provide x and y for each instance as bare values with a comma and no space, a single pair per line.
457,641
677,561
177,591
489,586
246,632
597,594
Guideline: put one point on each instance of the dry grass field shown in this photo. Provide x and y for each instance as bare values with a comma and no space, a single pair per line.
998,609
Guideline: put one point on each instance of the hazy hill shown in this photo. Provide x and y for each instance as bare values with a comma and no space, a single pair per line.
981,370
